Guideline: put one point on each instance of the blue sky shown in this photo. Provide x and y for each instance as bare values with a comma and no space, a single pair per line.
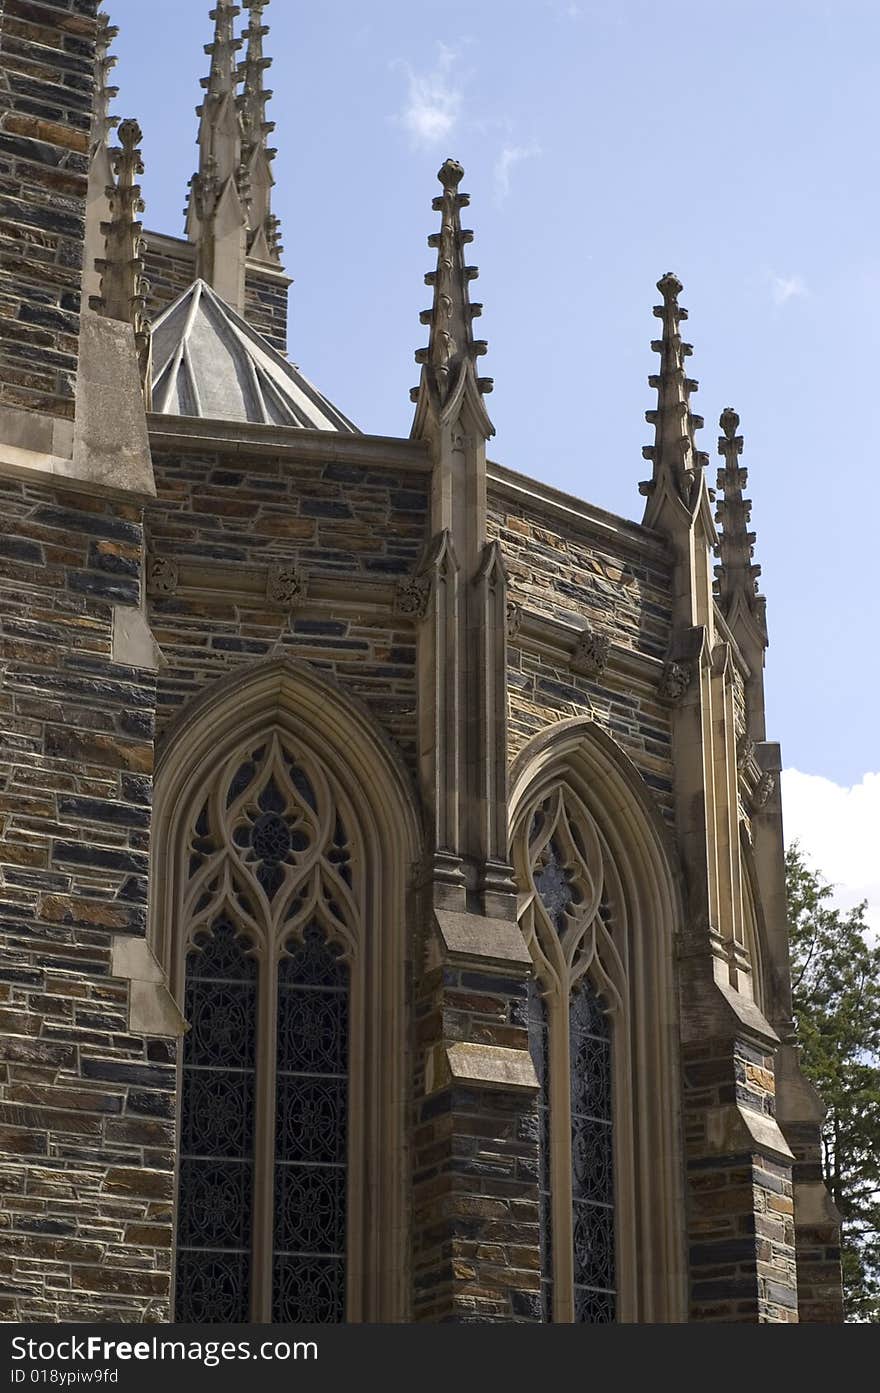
605,142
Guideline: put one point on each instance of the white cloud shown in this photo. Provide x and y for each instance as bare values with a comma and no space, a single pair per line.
511,155
839,830
787,288
434,100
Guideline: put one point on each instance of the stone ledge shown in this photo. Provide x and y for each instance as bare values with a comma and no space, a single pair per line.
813,1205
733,1130
133,644
474,941
235,438
582,518
558,640
152,1009
492,1067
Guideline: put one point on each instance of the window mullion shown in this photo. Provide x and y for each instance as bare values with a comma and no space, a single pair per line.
264,1140
561,1157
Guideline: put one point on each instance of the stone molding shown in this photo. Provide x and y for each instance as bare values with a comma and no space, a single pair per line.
468,1065
233,438
473,940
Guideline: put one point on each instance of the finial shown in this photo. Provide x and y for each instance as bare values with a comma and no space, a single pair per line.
123,288
223,74
256,154
216,214
678,464
449,361
102,122
737,576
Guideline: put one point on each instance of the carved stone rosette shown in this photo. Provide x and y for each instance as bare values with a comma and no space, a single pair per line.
676,679
412,597
163,575
286,586
591,653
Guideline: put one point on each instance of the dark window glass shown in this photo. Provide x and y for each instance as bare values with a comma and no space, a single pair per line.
310,1134
215,1198
540,1051
555,885
592,1158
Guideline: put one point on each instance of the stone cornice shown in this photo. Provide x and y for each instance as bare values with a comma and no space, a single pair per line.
169,574
191,433
559,641
578,517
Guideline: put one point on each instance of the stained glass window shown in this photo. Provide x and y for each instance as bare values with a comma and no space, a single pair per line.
269,839
217,1131
310,1135
570,915
554,883
592,1158
539,1046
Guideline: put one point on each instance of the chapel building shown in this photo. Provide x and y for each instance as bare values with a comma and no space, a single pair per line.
392,893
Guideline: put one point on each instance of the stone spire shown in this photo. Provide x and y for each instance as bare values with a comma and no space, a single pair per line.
737,576
123,289
257,156
217,219
100,167
102,121
677,479
449,375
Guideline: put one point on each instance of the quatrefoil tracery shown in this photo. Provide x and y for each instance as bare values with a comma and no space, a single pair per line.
270,847
566,910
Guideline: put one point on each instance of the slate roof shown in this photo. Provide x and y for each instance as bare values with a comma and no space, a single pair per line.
208,362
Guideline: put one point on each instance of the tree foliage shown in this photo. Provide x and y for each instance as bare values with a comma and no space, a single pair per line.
836,987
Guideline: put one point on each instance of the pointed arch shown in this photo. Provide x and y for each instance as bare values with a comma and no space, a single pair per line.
573,775
288,730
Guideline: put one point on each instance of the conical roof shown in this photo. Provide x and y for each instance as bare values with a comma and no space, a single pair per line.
208,362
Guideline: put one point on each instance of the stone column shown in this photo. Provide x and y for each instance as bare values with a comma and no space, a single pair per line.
476,1234
475,1146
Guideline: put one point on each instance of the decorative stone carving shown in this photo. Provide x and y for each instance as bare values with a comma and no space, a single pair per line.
763,791
676,680
285,585
413,597
514,619
591,653
163,575
745,752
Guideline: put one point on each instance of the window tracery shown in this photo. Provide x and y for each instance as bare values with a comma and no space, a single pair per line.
569,911
273,912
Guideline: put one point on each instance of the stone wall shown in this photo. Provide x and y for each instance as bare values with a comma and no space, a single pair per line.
476,1241
265,305
170,268
86,1106
615,583
741,1206
229,522
47,54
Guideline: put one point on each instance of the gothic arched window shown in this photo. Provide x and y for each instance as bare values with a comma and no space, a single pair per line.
570,911
273,934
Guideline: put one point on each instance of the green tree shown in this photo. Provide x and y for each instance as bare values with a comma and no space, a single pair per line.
836,988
